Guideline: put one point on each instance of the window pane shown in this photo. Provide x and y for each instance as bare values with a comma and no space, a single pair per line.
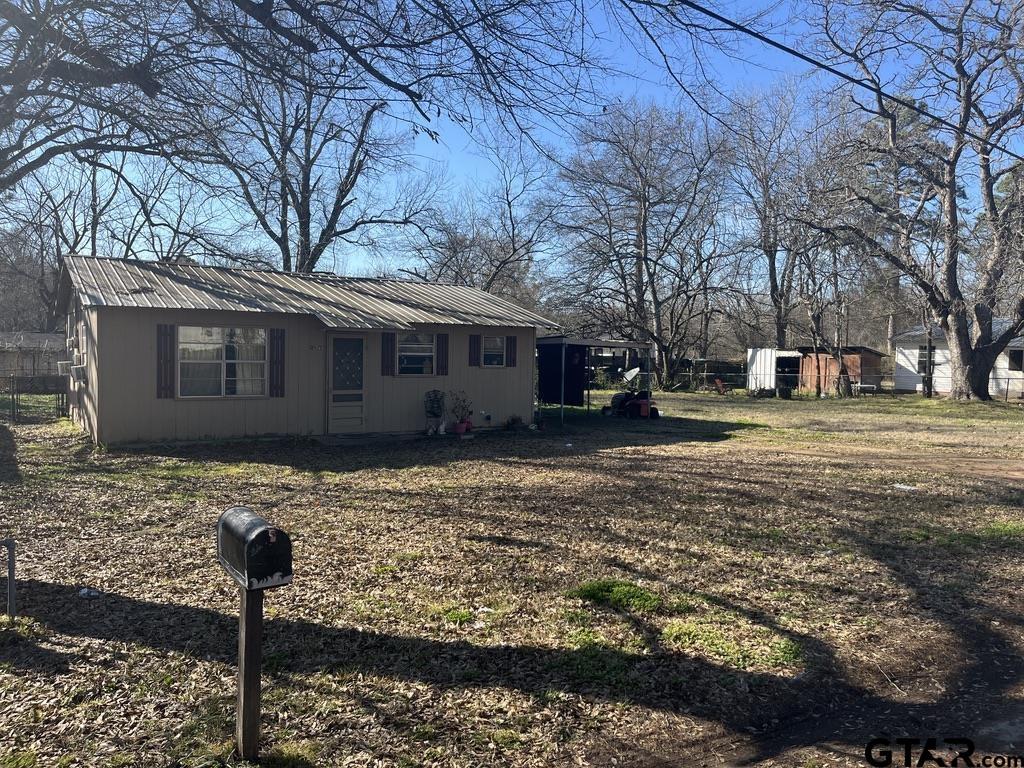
205,335
347,364
416,364
194,351
245,351
246,335
1016,359
494,350
415,339
243,387
200,380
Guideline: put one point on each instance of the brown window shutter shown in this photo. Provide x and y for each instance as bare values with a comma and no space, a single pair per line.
474,349
441,367
275,363
388,353
511,343
165,337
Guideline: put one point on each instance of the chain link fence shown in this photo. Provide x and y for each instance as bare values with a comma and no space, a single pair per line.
33,399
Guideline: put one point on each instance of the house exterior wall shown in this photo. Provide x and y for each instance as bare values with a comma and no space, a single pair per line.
128,409
1003,382
83,325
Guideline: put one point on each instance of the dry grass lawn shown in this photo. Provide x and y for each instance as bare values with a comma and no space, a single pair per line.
745,580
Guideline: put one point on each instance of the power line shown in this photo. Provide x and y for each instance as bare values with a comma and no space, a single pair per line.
737,26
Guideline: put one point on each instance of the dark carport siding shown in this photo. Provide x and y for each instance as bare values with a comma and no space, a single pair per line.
564,343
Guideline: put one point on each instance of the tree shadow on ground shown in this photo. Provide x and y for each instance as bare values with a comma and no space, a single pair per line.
581,436
779,713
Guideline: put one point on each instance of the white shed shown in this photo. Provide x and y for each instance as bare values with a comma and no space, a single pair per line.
768,368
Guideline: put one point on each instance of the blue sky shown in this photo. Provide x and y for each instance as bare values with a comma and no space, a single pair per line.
749,67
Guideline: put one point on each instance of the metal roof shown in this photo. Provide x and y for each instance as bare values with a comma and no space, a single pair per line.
917,335
338,302
28,341
854,349
572,341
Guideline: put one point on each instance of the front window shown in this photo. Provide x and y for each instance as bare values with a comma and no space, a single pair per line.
494,351
222,362
415,354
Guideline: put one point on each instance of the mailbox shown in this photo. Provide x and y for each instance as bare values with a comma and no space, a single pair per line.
253,552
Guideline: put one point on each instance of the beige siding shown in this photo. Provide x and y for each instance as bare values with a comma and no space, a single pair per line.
82,396
128,409
395,403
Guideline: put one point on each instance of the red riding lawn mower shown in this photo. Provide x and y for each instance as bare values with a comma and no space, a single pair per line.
632,405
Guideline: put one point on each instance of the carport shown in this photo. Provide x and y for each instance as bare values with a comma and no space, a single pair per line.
565,363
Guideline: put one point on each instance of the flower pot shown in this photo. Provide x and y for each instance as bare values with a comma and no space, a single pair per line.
468,424
459,428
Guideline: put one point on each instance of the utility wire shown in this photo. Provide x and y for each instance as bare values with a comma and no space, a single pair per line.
737,26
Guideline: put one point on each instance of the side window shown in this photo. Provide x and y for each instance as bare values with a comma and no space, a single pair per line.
922,360
494,352
415,354
1016,359
222,362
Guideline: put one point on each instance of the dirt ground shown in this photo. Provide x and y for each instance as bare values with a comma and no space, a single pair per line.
752,582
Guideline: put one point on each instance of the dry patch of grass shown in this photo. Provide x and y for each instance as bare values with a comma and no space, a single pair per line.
515,600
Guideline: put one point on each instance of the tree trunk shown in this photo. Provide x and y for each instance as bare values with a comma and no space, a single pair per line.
969,372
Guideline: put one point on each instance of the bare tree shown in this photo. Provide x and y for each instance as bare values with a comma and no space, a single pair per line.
963,62
489,237
766,149
640,223
306,160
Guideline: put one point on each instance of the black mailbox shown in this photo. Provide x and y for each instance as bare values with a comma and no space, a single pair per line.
253,552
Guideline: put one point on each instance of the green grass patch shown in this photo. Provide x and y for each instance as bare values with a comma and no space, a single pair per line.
457,616
291,754
1003,530
621,595
738,648
26,759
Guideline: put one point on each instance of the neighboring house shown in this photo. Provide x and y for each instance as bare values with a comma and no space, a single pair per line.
1006,381
30,354
770,368
185,352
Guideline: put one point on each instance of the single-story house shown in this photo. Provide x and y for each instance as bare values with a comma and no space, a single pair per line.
170,351
771,368
23,353
1007,378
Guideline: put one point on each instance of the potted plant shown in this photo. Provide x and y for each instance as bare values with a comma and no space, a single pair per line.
461,408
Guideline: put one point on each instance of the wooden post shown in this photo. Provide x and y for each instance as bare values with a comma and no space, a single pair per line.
250,657
12,609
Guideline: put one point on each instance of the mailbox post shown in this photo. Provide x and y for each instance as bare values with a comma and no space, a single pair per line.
11,608
257,556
